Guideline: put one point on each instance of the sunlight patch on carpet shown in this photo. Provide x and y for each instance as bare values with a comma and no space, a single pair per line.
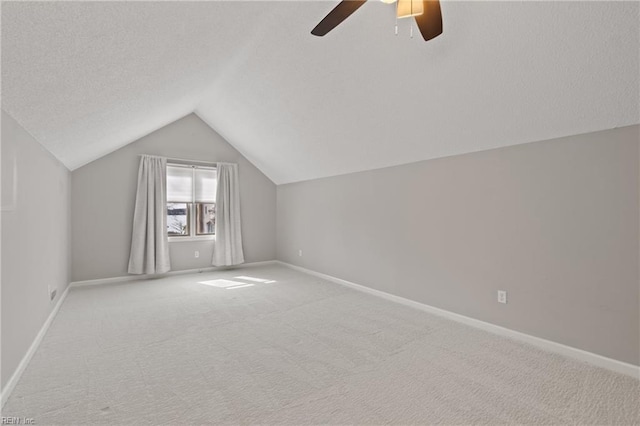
257,280
227,284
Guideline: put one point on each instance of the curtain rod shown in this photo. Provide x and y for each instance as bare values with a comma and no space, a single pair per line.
186,160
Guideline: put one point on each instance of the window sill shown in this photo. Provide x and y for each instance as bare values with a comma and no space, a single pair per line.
192,239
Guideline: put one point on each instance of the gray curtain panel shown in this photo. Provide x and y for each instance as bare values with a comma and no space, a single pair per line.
149,241
228,246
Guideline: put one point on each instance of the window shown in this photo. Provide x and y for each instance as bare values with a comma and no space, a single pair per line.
191,201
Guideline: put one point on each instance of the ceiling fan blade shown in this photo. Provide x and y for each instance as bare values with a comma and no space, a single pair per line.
430,22
341,12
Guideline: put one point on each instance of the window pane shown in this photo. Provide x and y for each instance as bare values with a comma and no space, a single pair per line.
205,218
205,185
177,219
179,183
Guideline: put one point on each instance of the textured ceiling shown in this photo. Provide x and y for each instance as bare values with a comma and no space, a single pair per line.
86,78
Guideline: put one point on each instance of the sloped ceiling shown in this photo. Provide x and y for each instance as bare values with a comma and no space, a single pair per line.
86,78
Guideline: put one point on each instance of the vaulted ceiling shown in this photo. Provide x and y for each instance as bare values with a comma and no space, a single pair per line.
85,78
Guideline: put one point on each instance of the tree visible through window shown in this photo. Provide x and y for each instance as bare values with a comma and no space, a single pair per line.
178,218
191,200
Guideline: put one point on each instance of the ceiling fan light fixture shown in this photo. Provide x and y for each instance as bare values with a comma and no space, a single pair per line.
408,8
388,1
427,15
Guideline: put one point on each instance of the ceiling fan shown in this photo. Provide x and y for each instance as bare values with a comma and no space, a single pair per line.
426,12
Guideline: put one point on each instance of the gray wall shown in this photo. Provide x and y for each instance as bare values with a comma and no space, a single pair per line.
103,196
554,223
35,239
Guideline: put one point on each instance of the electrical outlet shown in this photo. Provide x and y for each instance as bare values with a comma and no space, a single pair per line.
300,253
197,254
502,296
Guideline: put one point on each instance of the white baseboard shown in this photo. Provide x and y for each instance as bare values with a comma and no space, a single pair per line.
548,345
15,377
127,278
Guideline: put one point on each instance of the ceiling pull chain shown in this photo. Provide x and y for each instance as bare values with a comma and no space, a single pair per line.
396,18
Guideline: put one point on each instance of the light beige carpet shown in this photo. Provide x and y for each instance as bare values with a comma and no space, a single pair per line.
298,350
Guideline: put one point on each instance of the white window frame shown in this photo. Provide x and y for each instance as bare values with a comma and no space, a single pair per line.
192,209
